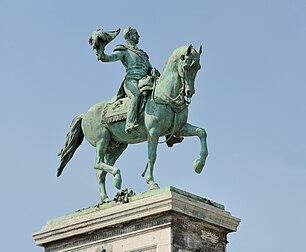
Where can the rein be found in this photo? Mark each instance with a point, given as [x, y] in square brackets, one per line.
[179, 100]
[182, 91]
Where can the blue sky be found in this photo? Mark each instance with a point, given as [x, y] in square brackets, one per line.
[250, 98]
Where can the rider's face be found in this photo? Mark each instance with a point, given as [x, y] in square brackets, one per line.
[134, 36]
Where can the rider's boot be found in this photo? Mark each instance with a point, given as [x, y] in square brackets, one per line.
[131, 120]
[171, 140]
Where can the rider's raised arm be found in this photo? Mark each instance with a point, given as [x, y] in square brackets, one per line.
[115, 56]
[118, 54]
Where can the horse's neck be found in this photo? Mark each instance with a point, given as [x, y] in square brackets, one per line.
[169, 83]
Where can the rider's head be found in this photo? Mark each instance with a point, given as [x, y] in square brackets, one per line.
[130, 34]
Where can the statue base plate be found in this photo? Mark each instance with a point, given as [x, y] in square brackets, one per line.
[162, 220]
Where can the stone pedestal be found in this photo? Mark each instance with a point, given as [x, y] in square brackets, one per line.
[163, 220]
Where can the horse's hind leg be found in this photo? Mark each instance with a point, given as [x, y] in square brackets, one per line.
[103, 168]
[101, 180]
[101, 148]
[110, 159]
[112, 155]
[190, 130]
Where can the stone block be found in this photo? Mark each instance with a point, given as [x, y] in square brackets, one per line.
[162, 220]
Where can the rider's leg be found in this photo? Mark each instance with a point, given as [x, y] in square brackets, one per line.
[132, 91]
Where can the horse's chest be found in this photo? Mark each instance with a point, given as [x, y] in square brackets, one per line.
[163, 118]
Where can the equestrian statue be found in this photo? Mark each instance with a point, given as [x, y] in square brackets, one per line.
[148, 105]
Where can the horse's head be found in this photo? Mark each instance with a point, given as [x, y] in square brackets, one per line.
[188, 67]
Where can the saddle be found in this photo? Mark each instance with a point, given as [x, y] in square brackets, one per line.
[117, 110]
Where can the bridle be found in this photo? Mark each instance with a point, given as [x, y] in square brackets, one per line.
[182, 92]
[186, 64]
[182, 99]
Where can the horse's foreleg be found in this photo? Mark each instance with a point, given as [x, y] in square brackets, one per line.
[190, 130]
[152, 148]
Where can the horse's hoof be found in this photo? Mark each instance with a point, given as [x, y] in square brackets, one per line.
[198, 166]
[153, 186]
[117, 181]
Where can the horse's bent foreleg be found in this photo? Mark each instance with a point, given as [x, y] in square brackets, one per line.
[190, 130]
[152, 148]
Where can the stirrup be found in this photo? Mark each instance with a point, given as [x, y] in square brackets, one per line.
[174, 140]
[133, 127]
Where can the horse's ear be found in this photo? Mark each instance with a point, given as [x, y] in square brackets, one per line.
[200, 50]
[189, 50]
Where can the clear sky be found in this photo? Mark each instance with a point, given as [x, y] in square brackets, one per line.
[250, 98]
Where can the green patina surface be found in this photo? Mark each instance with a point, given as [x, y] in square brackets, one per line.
[134, 198]
[148, 115]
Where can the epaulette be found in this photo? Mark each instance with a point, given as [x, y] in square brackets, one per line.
[147, 55]
[120, 48]
[144, 53]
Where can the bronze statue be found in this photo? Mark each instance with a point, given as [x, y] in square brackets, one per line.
[137, 65]
[154, 106]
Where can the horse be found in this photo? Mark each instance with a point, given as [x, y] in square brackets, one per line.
[165, 113]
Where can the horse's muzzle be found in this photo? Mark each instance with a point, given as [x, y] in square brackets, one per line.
[189, 93]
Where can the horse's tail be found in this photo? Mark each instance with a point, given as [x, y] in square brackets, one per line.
[74, 139]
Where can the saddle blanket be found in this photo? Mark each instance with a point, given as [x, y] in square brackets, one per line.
[116, 111]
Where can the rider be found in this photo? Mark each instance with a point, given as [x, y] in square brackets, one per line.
[137, 65]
